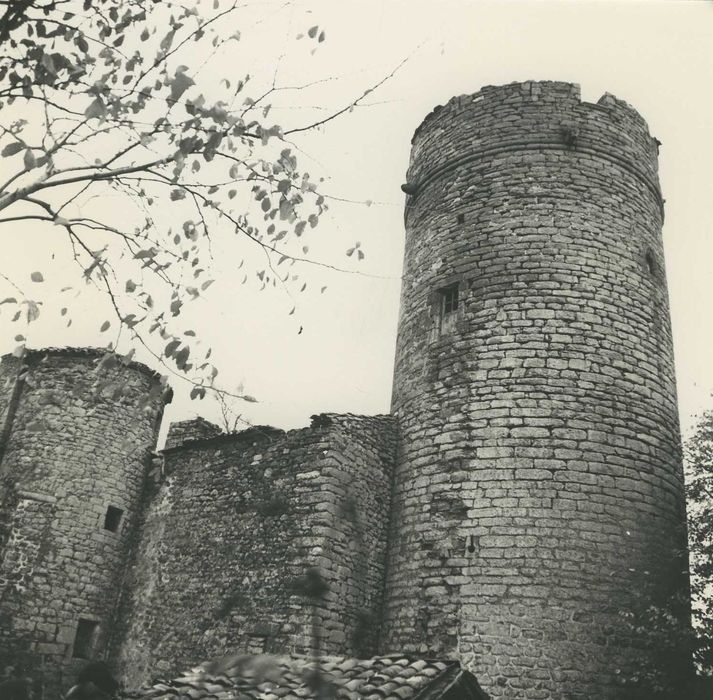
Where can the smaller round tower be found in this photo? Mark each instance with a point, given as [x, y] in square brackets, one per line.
[78, 428]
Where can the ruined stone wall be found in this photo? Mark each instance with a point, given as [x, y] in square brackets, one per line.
[238, 520]
[193, 429]
[78, 442]
[539, 489]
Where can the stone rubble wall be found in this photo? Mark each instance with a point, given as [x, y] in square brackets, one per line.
[193, 429]
[73, 450]
[539, 488]
[236, 522]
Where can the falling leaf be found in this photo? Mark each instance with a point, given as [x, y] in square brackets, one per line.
[33, 311]
[104, 327]
[37, 277]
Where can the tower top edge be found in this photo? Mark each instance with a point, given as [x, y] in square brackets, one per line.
[36, 355]
[550, 92]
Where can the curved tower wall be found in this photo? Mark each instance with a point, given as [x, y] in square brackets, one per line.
[78, 438]
[539, 488]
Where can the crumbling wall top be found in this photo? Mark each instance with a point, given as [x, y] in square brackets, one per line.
[36, 355]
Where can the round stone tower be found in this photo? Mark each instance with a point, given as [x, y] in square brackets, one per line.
[78, 428]
[538, 500]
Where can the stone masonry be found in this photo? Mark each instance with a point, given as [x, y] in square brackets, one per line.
[518, 510]
[236, 523]
[539, 486]
[70, 453]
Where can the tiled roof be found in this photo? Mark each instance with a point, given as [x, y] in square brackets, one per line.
[299, 678]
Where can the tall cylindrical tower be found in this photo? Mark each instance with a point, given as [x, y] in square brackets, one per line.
[78, 428]
[538, 499]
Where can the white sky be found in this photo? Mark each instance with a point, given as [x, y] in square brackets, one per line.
[656, 56]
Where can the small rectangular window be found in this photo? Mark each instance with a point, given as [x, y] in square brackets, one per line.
[449, 299]
[112, 519]
[84, 639]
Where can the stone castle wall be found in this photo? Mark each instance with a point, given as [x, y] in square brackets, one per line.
[234, 527]
[520, 507]
[539, 487]
[74, 446]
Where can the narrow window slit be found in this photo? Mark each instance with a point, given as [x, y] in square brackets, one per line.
[651, 263]
[448, 305]
[449, 299]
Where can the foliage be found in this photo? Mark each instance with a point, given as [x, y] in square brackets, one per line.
[665, 623]
[116, 98]
[699, 490]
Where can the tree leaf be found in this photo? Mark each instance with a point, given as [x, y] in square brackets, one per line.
[12, 148]
[180, 83]
[29, 159]
[171, 347]
[197, 392]
[37, 277]
[104, 327]
[96, 110]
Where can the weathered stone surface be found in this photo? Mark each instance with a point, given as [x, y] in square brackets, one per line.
[237, 522]
[526, 491]
[546, 212]
[70, 452]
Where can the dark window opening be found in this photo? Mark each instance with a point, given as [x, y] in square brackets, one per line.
[84, 639]
[461, 218]
[449, 299]
[651, 263]
[112, 519]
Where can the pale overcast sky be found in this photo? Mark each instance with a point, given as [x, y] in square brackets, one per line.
[656, 56]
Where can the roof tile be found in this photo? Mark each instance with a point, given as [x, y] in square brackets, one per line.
[293, 678]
